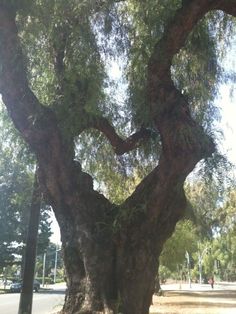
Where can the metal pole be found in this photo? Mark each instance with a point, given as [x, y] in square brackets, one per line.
[44, 264]
[189, 270]
[26, 297]
[200, 270]
[55, 268]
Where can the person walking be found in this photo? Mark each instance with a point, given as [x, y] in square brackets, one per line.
[211, 282]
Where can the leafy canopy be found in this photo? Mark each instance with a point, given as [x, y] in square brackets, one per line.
[70, 47]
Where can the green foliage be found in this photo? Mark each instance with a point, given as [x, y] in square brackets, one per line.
[16, 183]
[67, 72]
[219, 259]
[183, 239]
[204, 199]
[69, 48]
[196, 69]
[211, 237]
[164, 273]
[145, 22]
[50, 252]
[45, 231]
[212, 205]
[227, 212]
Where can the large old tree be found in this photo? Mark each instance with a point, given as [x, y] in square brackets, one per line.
[55, 83]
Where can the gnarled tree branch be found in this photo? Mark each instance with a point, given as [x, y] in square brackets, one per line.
[184, 142]
[36, 123]
[178, 30]
[23, 106]
[120, 146]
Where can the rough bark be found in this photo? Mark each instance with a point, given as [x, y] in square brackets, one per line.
[110, 271]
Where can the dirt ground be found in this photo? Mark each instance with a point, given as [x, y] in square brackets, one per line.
[195, 302]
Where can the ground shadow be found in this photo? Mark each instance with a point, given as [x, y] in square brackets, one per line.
[195, 301]
[226, 294]
[51, 291]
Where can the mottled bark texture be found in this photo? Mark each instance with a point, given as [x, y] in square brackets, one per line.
[112, 270]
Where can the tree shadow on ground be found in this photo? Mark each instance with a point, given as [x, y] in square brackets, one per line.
[212, 302]
[50, 291]
[226, 294]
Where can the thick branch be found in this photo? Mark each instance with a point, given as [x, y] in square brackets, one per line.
[160, 85]
[120, 145]
[184, 142]
[169, 107]
[228, 6]
[178, 30]
[23, 107]
[37, 124]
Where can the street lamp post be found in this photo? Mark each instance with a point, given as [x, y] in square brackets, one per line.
[44, 266]
[189, 267]
[55, 267]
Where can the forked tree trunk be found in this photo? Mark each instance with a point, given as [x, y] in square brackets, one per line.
[111, 279]
[112, 270]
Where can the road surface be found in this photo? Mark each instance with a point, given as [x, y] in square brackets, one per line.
[44, 302]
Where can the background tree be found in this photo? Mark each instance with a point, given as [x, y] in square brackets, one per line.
[173, 262]
[223, 244]
[50, 262]
[205, 197]
[212, 243]
[184, 239]
[16, 183]
[55, 85]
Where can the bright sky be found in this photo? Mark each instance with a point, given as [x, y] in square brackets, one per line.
[56, 236]
[227, 104]
[228, 122]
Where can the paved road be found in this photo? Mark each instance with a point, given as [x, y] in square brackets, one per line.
[44, 302]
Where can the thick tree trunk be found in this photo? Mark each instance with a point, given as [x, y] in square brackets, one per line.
[110, 279]
[137, 268]
[116, 277]
[114, 272]
[89, 252]
[89, 273]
